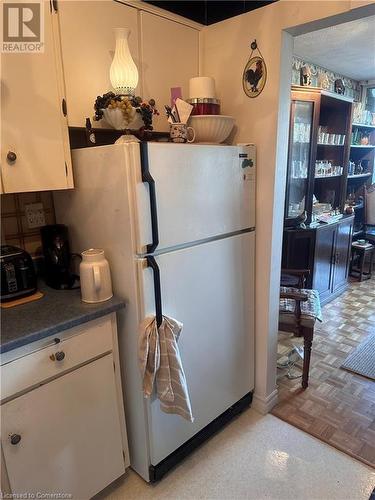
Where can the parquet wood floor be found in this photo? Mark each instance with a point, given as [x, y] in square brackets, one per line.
[338, 407]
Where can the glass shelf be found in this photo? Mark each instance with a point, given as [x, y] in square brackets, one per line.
[359, 176]
[327, 176]
[362, 125]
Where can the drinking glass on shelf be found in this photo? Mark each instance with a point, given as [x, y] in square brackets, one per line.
[320, 135]
[296, 131]
[307, 132]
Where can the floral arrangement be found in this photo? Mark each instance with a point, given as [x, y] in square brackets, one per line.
[128, 105]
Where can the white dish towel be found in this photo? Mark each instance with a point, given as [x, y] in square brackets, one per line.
[160, 361]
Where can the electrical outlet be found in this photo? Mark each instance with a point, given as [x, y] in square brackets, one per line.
[35, 215]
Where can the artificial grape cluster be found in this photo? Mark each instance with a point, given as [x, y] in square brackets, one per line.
[126, 104]
[147, 110]
[102, 102]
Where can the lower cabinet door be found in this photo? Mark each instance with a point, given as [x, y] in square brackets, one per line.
[64, 437]
[342, 253]
[323, 261]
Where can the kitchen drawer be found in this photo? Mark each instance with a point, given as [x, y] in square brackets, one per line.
[90, 341]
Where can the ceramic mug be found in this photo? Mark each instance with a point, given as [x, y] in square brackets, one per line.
[95, 276]
[179, 132]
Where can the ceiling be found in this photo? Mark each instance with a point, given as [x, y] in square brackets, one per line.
[347, 49]
[209, 11]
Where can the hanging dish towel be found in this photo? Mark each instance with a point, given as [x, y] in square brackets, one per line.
[160, 362]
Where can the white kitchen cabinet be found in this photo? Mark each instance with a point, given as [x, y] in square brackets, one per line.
[88, 45]
[166, 53]
[169, 58]
[68, 425]
[66, 434]
[33, 125]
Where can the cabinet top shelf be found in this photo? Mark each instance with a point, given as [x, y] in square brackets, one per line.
[359, 176]
[327, 176]
[364, 146]
[362, 125]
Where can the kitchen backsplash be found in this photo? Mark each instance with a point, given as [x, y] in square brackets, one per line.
[14, 227]
[352, 87]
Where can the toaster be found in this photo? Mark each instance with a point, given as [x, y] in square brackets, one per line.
[18, 276]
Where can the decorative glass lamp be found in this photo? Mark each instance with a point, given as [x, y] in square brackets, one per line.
[121, 108]
[123, 72]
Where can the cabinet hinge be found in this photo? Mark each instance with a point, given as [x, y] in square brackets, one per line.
[64, 107]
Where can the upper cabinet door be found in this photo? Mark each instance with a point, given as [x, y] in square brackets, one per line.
[170, 56]
[88, 45]
[35, 153]
[304, 120]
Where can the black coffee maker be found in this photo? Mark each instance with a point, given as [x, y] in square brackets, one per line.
[57, 257]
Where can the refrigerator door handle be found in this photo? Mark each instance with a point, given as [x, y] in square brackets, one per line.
[151, 262]
[147, 177]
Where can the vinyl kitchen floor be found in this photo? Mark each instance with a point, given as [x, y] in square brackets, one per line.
[339, 406]
[256, 457]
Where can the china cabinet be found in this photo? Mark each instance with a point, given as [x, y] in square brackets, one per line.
[361, 169]
[319, 143]
[323, 249]
[317, 176]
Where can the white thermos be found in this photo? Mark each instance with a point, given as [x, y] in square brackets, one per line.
[96, 284]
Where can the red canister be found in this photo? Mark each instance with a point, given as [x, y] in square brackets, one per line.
[205, 106]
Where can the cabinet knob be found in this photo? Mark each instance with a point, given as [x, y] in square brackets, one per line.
[15, 438]
[60, 355]
[11, 156]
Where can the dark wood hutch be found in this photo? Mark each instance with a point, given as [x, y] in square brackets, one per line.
[317, 179]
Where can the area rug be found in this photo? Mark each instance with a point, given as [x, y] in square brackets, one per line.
[362, 360]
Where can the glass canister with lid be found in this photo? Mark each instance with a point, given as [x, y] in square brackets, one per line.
[205, 106]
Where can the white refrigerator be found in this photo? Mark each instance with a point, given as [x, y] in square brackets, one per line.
[177, 223]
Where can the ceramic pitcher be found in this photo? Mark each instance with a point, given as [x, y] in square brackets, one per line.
[96, 285]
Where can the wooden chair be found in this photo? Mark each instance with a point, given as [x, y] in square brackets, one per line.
[299, 310]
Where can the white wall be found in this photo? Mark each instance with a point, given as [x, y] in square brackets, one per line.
[225, 50]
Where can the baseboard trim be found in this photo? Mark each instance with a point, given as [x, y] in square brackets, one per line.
[264, 405]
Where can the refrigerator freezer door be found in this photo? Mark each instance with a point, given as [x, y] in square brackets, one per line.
[209, 288]
[201, 192]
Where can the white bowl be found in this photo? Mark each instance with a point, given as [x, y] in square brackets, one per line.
[115, 119]
[211, 129]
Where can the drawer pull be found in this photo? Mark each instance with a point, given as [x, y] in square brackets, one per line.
[11, 156]
[59, 356]
[15, 438]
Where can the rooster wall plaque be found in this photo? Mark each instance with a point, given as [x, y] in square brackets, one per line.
[255, 73]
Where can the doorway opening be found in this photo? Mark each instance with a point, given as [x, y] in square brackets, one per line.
[327, 304]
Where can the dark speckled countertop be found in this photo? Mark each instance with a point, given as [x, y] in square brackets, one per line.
[57, 311]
